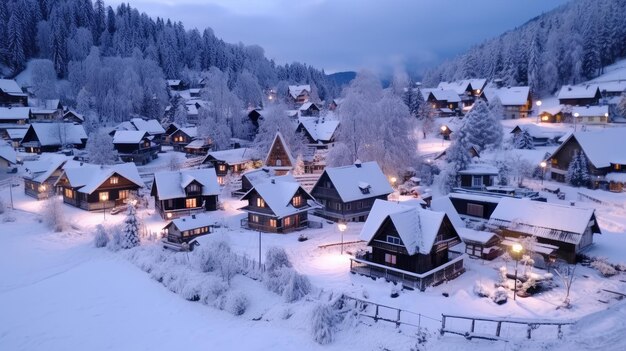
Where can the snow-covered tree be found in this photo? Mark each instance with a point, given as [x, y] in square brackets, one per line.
[79, 44]
[53, 214]
[496, 109]
[275, 119]
[523, 140]
[482, 127]
[43, 79]
[102, 238]
[297, 285]
[100, 148]
[339, 155]
[621, 107]
[578, 171]
[276, 258]
[298, 168]
[214, 127]
[458, 154]
[180, 114]
[130, 229]
[324, 323]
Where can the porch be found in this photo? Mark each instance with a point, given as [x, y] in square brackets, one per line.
[303, 224]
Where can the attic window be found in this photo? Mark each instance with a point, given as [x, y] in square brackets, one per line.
[364, 187]
[115, 180]
[260, 202]
[393, 240]
[194, 188]
[297, 201]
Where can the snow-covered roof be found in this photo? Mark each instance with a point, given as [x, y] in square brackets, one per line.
[278, 194]
[480, 169]
[72, 112]
[192, 132]
[171, 184]
[613, 86]
[478, 236]
[198, 144]
[308, 105]
[260, 175]
[475, 197]
[14, 113]
[346, 180]
[278, 138]
[460, 86]
[443, 204]
[88, 177]
[616, 177]
[44, 104]
[578, 91]
[542, 219]
[553, 110]
[59, 133]
[17, 133]
[602, 147]
[151, 126]
[441, 95]
[509, 96]
[233, 156]
[173, 82]
[296, 90]
[416, 227]
[194, 221]
[537, 131]
[10, 86]
[41, 169]
[321, 129]
[590, 111]
[8, 153]
[129, 136]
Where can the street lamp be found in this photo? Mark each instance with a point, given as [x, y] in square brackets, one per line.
[538, 103]
[443, 130]
[575, 118]
[516, 254]
[103, 198]
[543, 165]
[342, 228]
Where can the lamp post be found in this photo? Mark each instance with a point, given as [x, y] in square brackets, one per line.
[103, 198]
[575, 119]
[443, 130]
[538, 103]
[259, 250]
[516, 254]
[342, 228]
[543, 165]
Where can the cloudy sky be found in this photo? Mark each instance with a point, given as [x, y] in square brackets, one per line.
[351, 34]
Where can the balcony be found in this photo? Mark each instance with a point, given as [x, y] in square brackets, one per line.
[271, 229]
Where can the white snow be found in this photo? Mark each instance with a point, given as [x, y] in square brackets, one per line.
[278, 195]
[195, 221]
[441, 95]
[41, 169]
[321, 129]
[602, 147]
[479, 169]
[586, 91]
[590, 111]
[59, 133]
[129, 136]
[233, 156]
[10, 86]
[171, 184]
[88, 177]
[347, 181]
[8, 153]
[509, 96]
[296, 90]
[14, 113]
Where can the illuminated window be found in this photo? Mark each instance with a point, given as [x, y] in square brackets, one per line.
[254, 218]
[286, 221]
[222, 168]
[69, 193]
[260, 202]
[272, 223]
[390, 259]
[190, 203]
[297, 201]
[123, 194]
[618, 167]
[114, 180]
[103, 196]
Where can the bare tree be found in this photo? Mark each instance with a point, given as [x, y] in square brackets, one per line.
[566, 273]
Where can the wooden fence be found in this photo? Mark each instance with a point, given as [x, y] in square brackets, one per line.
[606, 203]
[389, 314]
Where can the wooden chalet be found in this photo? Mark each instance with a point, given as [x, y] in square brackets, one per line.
[185, 229]
[52, 137]
[15, 135]
[579, 95]
[541, 136]
[72, 116]
[15, 115]
[183, 136]
[348, 193]
[590, 114]
[279, 156]
[409, 245]
[175, 84]
[11, 94]
[309, 109]
[474, 206]
[184, 192]
[198, 147]
[318, 131]
[552, 115]
[8, 158]
[46, 110]
[232, 161]
[256, 176]
[568, 229]
[478, 176]
[603, 150]
[277, 205]
[40, 176]
[299, 94]
[135, 146]
[94, 187]
[516, 101]
[444, 102]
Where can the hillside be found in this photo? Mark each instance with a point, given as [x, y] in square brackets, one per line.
[342, 78]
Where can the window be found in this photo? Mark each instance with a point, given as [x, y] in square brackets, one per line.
[114, 180]
[297, 201]
[254, 218]
[220, 180]
[390, 259]
[193, 188]
[338, 206]
[359, 205]
[475, 210]
[617, 167]
[170, 203]
[393, 240]
[69, 193]
[260, 202]
[272, 223]
[286, 221]
[103, 196]
[348, 207]
[122, 194]
[279, 163]
[190, 203]
[222, 168]
[477, 181]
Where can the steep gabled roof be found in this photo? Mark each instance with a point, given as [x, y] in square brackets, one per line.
[193, 222]
[278, 194]
[40, 170]
[509, 96]
[125, 170]
[8, 153]
[279, 139]
[590, 111]
[152, 126]
[59, 133]
[233, 156]
[129, 136]
[320, 129]
[588, 91]
[10, 86]
[350, 180]
[171, 184]
[296, 90]
[441, 95]
[258, 176]
[74, 113]
[602, 147]
[14, 113]
[418, 228]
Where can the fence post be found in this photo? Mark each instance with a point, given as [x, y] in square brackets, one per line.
[473, 322]
[398, 321]
[443, 324]
[559, 332]
[528, 329]
[376, 315]
[498, 328]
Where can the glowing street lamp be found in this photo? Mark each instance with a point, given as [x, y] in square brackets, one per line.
[538, 103]
[576, 115]
[543, 165]
[393, 180]
[443, 131]
[342, 228]
[516, 254]
[103, 198]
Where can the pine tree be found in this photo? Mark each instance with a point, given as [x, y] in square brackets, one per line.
[482, 127]
[16, 54]
[458, 154]
[130, 231]
[523, 140]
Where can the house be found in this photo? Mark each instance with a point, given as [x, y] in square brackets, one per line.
[612, 88]
[194, 92]
[579, 95]
[185, 229]
[473, 151]
[254, 115]
[348, 193]
[8, 158]
[568, 228]
[169, 130]
[151, 126]
[409, 245]
[445, 102]
[11, 94]
[52, 137]
[299, 93]
[232, 161]
[183, 136]
[601, 149]
[467, 89]
[256, 176]
[335, 104]
[198, 147]
[541, 136]
[135, 146]
[15, 115]
[279, 156]
[72, 116]
[552, 114]
[309, 109]
[319, 132]
[184, 192]
[478, 176]
[41, 175]
[46, 110]
[516, 101]
[277, 205]
[175, 84]
[95, 187]
[15, 135]
[474, 206]
[591, 114]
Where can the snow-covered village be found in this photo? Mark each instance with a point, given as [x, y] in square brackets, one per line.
[437, 176]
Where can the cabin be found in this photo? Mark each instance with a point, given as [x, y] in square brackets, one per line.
[579, 95]
[151, 126]
[467, 89]
[184, 229]
[445, 102]
[277, 205]
[15, 135]
[41, 175]
[279, 156]
[46, 110]
[591, 114]
[256, 176]
[11, 94]
[15, 115]
[335, 104]
[8, 158]
[516, 101]
[299, 94]
[603, 150]
[72, 116]
[229, 161]
[475, 207]
[552, 115]
[52, 137]
[348, 193]
[473, 151]
[135, 146]
[319, 132]
[478, 176]
[198, 147]
[97, 187]
[569, 229]
[612, 89]
[309, 109]
[169, 130]
[183, 136]
[184, 192]
[175, 84]
[409, 245]
[541, 136]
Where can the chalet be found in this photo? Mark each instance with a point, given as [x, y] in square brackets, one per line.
[151, 126]
[229, 161]
[46, 110]
[254, 115]
[309, 109]
[591, 114]
[175, 84]
[279, 156]
[185, 229]
[256, 176]
[473, 151]
[474, 206]
[446, 102]
[185, 192]
[467, 89]
[612, 88]
[449, 127]
[41, 175]
[552, 115]
[570, 229]
[277, 205]
[198, 147]
[8, 158]
[348, 193]
[603, 150]
[516, 101]
[299, 93]
[135, 146]
[52, 137]
[319, 132]
[15, 115]
[94, 187]
[183, 136]
[579, 95]
[194, 92]
[541, 136]
[15, 135]
[335, 104]
[11, 94]
[169, 130]
[72, 116]
[478, 176]
[192, 112]
[409, 245]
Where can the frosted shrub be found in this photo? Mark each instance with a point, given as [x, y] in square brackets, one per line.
[130, 230]
[500, 296]
[237, 303]
[209, 256]
[605, 268]
[115, 244]
[53, 214]
[297, 285]
[503, 280]
[481, 290]
[102, 238]
[324, 324]
[211, 289]
[277, 280]
[276, 258]
[530, 283]
[228, 266]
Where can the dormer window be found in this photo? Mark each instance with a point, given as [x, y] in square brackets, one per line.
[297, 201]
[114, 180]
[364, 187]
[393, 240]
[260, 202]
[222, 168]
[193, 188]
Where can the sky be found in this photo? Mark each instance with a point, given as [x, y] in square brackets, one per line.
[341, 35]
